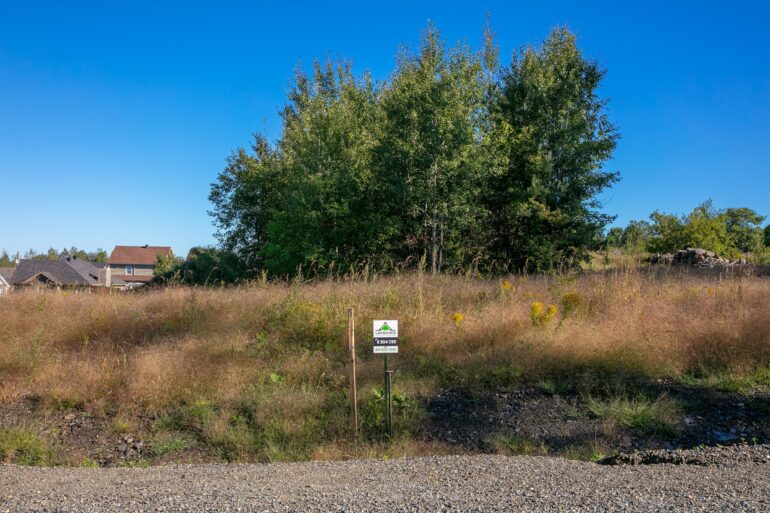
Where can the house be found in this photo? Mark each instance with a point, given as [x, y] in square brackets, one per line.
[70, 272]
[5, 279]
[132, 266]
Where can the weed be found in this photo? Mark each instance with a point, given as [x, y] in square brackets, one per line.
[644, 416]
[120, 426]
[517, 446]
[24, 447]
[167, 445]
[541, 315]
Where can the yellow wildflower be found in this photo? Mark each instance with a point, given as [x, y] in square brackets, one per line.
[542, 316]
[458, 317]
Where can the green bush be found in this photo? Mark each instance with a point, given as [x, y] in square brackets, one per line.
[407, 415]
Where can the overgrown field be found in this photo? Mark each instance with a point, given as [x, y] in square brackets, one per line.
[259, 373]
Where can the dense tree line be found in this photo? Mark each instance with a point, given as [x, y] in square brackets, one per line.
[99, 255]
[729, 232]
[454, 160]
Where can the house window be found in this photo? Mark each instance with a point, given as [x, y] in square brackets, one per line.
[129, 270]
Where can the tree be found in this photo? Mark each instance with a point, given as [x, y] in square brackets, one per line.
[426, 154]
[451, 159]
[245, 198]
[744, 227]
[6, 260]
[636, 235]
[706, 227]
[767, 236]
[209, 266]
[727, 232]
[615, 237]
[165, 264]
[552, 138]
[668, 233]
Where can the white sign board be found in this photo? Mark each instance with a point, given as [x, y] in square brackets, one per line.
[385, 333]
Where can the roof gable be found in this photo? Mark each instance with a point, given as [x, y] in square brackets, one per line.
[137, 255]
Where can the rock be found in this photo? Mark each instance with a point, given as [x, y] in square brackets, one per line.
[696, 257]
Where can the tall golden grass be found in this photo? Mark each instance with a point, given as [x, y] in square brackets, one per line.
[259, 372]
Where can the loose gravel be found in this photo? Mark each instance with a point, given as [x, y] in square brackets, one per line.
[454, 483]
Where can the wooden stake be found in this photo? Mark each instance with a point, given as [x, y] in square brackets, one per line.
[352, 353]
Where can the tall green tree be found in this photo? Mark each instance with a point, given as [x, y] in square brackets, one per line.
[744, 227]
[244, 199]
[552, 138]
[426, 155]
[451, 159]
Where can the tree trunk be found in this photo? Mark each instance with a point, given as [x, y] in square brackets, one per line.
[441, 245]
[433, 245]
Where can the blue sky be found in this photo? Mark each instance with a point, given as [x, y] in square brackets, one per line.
[116, 116]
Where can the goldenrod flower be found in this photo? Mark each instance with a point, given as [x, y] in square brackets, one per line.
[542, 316]
[458, 318]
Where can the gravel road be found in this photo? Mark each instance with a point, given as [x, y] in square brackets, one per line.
[455, 483]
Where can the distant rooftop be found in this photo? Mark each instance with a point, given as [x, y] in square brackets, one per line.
[137, 255]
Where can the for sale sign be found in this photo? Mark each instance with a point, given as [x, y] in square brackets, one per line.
[385, 336]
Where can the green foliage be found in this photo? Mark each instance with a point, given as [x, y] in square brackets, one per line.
[549, 140]
[204, 266]
[170, 444]
[7, 260]
[767, 236]
[744, 229]
[407, 415]
[639, 414]
[451, 160]
[23, 447]
[99, 255]
[725, 232]
[165, 264]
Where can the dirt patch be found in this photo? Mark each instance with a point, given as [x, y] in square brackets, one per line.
[560, 423]
[703, 456]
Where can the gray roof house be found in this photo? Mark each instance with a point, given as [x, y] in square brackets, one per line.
[5, 279]
[70, 272]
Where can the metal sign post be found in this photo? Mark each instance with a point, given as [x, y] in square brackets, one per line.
[386, 342]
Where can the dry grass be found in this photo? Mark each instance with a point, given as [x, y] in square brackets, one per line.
[258, 373]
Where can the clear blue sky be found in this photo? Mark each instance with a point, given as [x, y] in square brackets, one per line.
[116, 116]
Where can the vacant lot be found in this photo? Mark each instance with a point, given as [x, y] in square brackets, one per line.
[574, 365]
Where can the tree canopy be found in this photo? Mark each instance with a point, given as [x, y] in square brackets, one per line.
[729, 232]
[454, 160]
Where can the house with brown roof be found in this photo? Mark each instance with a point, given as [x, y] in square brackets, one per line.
[132, 266]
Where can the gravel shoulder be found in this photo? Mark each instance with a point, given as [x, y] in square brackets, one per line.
[454, 483]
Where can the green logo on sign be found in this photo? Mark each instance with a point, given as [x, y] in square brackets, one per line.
[385, 327]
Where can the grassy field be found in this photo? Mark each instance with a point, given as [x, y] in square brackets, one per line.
[258, 373]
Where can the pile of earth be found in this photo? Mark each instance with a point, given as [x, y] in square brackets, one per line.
[696, 257]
